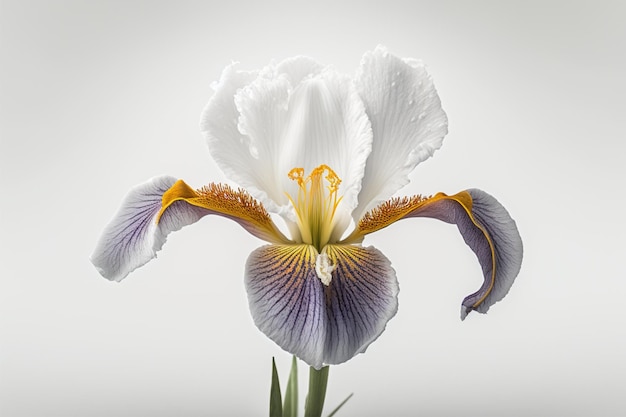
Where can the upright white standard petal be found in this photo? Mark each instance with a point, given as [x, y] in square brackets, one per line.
[244, 160]
[298, 68]
[407, 120]
[327, 125]
[293, 115]
[263, 110]
[230, 149]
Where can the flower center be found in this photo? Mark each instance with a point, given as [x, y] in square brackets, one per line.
[315, 204]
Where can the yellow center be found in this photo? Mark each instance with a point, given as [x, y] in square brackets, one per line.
[315, 204]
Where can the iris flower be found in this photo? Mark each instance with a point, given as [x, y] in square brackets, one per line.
[325, 152]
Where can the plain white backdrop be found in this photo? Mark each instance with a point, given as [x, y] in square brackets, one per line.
[99, 96]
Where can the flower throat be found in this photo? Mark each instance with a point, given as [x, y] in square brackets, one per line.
[315, 204]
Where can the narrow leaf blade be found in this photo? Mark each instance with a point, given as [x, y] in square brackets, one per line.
[340, 405]
[276, 402]
[290, 408]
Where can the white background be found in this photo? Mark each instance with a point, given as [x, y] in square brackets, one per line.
[99, 96]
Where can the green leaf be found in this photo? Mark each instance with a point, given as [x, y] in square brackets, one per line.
[318, 380]
[276, 402]
[290, 408]
[340, 405]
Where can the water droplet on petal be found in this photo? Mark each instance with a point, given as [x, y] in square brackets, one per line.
[254, 151]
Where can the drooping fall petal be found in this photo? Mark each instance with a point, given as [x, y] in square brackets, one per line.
[163, 205]
[132, 238]
[319, 323]
[361, 298]
[222, 200]
[485, 225]
[287, 299]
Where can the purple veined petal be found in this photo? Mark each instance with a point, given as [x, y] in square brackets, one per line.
[485, 225]
[132, 238]
[507, 248]
[287, 299]
[163, 205]
[361, 298]
[321, 324]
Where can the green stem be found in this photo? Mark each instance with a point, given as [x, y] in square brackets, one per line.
[318, 380]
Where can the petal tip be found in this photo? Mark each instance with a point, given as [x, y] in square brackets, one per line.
[465, 311]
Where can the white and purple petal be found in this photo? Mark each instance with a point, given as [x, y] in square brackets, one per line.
[319, 323]
[287, 299]
[361, 298]
[133, 237]
[485, 225]
[163, 205]
[492, 234]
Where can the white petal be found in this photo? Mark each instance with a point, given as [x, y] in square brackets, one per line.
[298, 68]
[231, 150]
[245, 159]
[291, 115]
[407, 120]
[327, 124]
[133, 237]
[262, 108]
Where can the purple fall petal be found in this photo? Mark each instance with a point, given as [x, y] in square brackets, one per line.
[132, 238]
[287, 299]
[361, 298]
[492, 231]
[321, 324]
